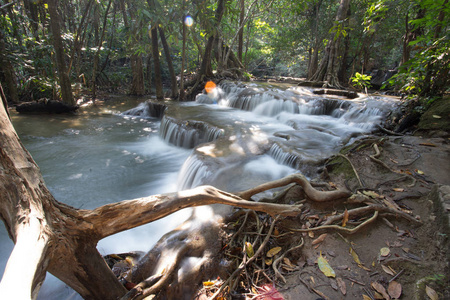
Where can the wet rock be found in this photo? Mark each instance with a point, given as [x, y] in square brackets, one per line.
[44, 106]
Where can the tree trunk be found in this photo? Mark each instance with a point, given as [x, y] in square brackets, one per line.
[183, 58]
[241, 30]
[173, 78]
[137, 69]
[97, 53]
[205, 67]
[157, 66]
[314, 50]
[63, 76]
[7, 74]
[329, 65]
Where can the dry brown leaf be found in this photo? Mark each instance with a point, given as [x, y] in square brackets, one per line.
[385, 251]
[395, 289]
[268, 261]
[378, 296]
[345, 218]
[334, 285]
[288, 262]
[365, 297]
[342, 286]
[387, 270]
[319, 239]
[311, 234]
[398, 189]
[371, 194]
[431, 293]
[274, 251]
[355, 256]
[380, 289]
[428, 144]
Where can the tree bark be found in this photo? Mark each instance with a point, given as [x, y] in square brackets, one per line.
[97, 53]
[241, 30]
[63, 76]
[156, 65]
[173, 78]
[7, 75]
[183, 57]
[155, 54]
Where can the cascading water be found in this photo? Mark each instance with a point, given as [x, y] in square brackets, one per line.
[242, 135]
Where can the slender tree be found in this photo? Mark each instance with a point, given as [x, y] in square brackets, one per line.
[329, 65]
[155, 54]
[173, 78]
[97, 53]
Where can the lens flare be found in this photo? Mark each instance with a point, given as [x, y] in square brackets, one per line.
[210, 86]
[189, 21]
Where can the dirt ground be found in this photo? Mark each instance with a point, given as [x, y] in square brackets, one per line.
[418, 255]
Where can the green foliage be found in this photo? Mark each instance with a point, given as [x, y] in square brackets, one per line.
[427, 73]
[361, 81]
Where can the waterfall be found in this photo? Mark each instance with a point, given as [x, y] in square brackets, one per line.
[187, 134]
[147, 109]
[193, 173]
[284, 158]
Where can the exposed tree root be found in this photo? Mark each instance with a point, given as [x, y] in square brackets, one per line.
[310, 191]
[354, 170]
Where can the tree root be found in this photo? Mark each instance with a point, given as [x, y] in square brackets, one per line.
[310, 191]
[339, 228]
[246, 262]
[375, 156]
[277, 261]
[354, 170]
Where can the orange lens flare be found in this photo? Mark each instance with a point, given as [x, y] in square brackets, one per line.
[210, 86]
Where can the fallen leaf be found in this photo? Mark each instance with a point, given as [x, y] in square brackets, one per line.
[345, 218]
[249, 249]
[419, 172]
[371, 194]
[342, 286]
[378, 296]
[334, 285]
[427, 144]
[274, 251]
[325, 267]
[311, 234]
[380, 289]
[355, 256]
[395, 289]
[268, 261]
[398, 189]
[288, 262]
[208, 283]
[365, 297]
[431, 293]
[385, 251]
[319, 239]
[276, 232]
[387, 270]
[437, 117]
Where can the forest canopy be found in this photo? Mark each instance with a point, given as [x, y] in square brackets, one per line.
[59, 49]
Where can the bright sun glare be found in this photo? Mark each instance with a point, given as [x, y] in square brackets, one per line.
[189, 21]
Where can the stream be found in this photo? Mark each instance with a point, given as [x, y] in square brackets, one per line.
[235, 137]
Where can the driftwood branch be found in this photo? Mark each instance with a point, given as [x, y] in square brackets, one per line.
[110, 219]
